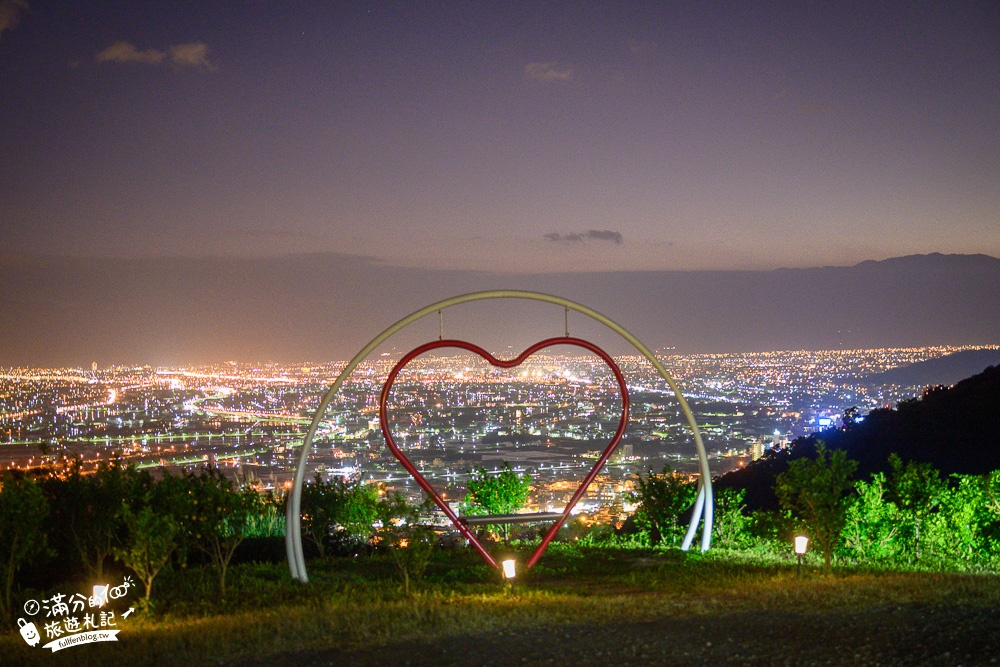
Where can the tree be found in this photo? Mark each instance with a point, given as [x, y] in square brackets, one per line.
[23, 509]
[216, 513]
[496, 493]
[814, 490]
[729, 523]
[153, 530]
[86, 511]
[663, 497]
[151, 539]
[917, 489]
[347, 506]
[871, 523]
[410, 542]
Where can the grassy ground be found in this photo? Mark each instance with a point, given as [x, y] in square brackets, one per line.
[579, 606]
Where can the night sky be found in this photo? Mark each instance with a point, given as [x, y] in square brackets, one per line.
[517, 137]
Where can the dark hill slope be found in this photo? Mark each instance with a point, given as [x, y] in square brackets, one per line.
[943, 370]
[956, 429]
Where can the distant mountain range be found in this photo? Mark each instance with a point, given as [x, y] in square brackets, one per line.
[173, 311]
[946, 370]
[954, 428]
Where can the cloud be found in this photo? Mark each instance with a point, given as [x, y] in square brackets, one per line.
[591, 235]
[605, 235]
[194, 54]
[10, 13]
[547, 72]
[123, 52]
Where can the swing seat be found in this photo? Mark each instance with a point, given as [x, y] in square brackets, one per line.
[481, 520]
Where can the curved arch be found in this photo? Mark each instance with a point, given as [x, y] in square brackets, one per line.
[293, 511]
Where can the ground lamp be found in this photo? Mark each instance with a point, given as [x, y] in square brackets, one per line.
[801, 544]
[508, 570]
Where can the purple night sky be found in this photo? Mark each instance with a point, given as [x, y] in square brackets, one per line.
[524, 137]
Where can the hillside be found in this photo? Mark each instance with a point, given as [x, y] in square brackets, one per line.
[946, 370]
[953, 428]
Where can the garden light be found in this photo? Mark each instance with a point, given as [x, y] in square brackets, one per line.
[101, 594]
[801, 544]
[508, 568]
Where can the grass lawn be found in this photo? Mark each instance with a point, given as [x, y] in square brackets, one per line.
[600, 606]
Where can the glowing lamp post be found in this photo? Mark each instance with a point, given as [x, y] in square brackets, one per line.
[508, 570]
[801, 544]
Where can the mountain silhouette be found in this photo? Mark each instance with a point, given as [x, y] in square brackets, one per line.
[67, 311]
[946, 370]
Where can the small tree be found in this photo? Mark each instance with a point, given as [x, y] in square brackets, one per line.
[814, 490]
[23, 510]
[663, 497]
[497, 493]
[86, 511]
[346, 505]
[410, 542]
[918, 490]
[216, 514]
[730, 524]
[871, 522]
[151, 539]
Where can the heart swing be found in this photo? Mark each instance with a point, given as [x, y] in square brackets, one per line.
[703, 502]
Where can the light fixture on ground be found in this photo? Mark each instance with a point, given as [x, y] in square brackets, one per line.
[101, 594]
[801, 544]
[508, 569]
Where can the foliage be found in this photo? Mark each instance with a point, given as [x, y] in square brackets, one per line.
[663, 497]
[957, 533]
[270, 522]
[496, 493]
[150, 541]
[338, 507]
[917, 490]
[216, 514]
[410, 542]
[86, 516]
[23, 510]
[871, 523]
[729, 522]
[814, 490]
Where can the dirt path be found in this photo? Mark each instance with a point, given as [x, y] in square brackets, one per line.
[896, 635]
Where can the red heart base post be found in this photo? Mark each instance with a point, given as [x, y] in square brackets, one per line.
[460, 524]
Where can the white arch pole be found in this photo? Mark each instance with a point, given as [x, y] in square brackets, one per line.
[293, 525]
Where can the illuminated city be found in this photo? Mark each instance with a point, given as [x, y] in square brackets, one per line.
[549, 417]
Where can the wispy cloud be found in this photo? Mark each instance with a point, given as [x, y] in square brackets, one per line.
[194, 55]
[123, 52]
[10, 13]
[547, 72]
[589, 235]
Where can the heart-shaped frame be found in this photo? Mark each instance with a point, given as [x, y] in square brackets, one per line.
[462, 527]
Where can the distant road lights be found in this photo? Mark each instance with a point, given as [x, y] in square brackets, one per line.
[801, 545]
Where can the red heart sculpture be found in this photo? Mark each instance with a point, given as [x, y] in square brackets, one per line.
[459, 524]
